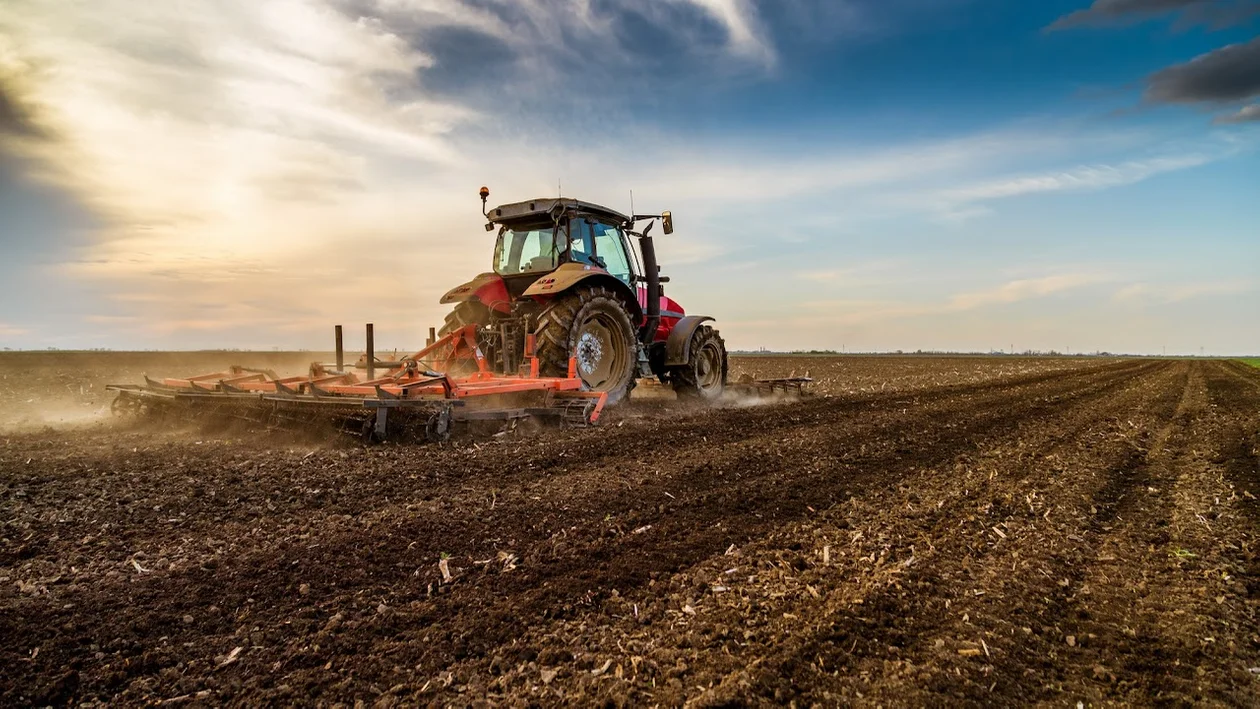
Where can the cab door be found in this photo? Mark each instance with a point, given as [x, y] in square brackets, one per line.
[609, 246]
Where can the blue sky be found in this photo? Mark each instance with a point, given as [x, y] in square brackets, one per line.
[904, 174]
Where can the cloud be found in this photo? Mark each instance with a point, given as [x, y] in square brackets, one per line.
[1179, 292]
[1231, 73]
[1085, 177]
[500, 53]
[745, 35]
[15, 119]
[1021, 289]
[1225, 75]
[853, 312]
[1218, 13]
[1245, 114]
[869, 272]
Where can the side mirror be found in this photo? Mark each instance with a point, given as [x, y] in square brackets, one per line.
[667, 222]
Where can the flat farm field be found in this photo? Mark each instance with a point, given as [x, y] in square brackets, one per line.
[922, 531]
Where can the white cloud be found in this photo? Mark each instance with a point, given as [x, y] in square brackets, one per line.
[1084, 177]
[1021, 289]
[1165, 293]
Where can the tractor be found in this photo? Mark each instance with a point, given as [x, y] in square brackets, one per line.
[568, 320]
[566, 271]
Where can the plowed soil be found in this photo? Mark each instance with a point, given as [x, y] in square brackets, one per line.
[925, 531]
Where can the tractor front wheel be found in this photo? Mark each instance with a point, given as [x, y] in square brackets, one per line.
[592, 326]
[466, 313]
[704, 374]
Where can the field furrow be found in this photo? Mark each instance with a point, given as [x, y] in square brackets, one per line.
[1015, 535]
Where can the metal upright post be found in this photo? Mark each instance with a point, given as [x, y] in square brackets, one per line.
[371, 354]
[341, 360]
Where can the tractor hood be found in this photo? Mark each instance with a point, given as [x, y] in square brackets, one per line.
[488, 288]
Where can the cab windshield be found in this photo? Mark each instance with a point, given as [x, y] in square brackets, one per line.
[528, 249]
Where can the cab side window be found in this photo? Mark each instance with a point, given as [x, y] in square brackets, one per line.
[610, 249]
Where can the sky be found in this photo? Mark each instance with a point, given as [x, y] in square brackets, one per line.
[871, 175]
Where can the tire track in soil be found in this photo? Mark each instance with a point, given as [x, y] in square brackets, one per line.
[539, 464]
[1122, 372]
[391, 474]
[963, 594]
[486, 618]
[1160, 658]
[731, 505]
[1061, 563]
[1165, 626]
[1123, 605]
[780, 674]
[1237, 388]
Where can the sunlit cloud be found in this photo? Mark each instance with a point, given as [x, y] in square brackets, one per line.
[1150, 293]
[856, 273]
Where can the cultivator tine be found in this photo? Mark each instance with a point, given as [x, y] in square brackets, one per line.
[420, 397]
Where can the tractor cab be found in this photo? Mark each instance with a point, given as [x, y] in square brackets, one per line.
[532, 243]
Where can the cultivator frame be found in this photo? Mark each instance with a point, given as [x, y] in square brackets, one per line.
[447, 382]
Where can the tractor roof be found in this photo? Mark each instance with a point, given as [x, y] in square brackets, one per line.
[547, 206]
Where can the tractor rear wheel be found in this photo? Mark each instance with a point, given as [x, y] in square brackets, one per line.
[592, 326]
[704, 374]
[466, 313]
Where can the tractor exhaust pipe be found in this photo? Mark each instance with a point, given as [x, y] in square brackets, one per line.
[653, 273]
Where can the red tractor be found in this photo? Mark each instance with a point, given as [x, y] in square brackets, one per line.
[566, 271]
[569, 319]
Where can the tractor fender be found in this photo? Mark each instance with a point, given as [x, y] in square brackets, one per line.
[487, 288]
[570, 274]
[678, 346]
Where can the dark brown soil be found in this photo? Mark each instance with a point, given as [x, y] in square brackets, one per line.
[928, 531]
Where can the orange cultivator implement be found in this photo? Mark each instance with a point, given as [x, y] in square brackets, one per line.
[421, 396]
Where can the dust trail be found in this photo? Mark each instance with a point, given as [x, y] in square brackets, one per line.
[40, 415]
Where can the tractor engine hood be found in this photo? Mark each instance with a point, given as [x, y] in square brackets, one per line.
[487, 288]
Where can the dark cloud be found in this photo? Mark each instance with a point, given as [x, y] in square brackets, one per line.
[1218, 13]
[597, 45]
[463, 57]
[1231, 73]
[15, 118]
